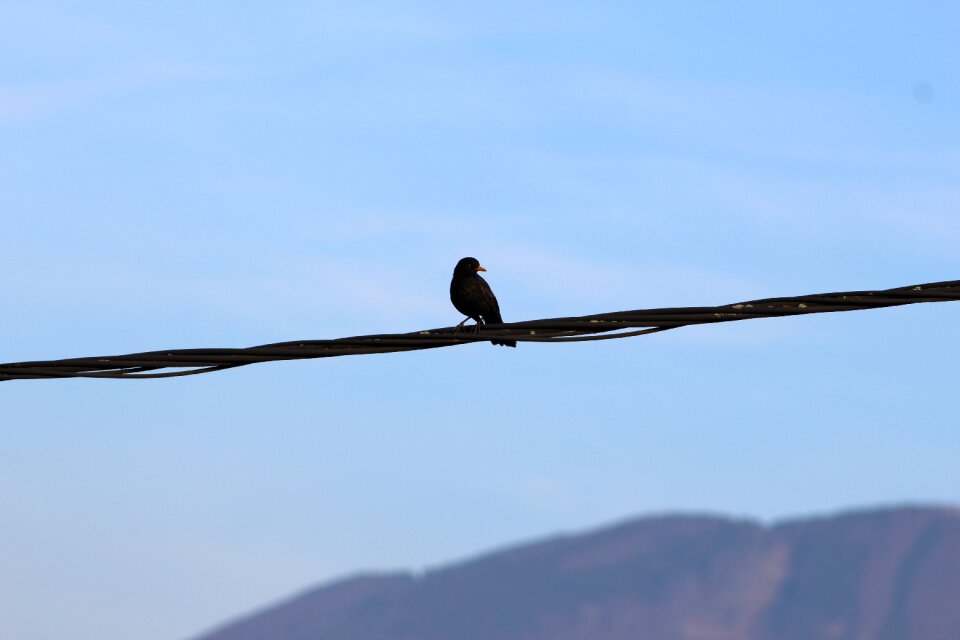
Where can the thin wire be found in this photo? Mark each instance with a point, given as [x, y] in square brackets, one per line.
[604, 326]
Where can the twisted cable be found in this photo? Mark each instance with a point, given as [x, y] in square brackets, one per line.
[602, 326]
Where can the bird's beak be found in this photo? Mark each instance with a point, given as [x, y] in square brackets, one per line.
[480, 269]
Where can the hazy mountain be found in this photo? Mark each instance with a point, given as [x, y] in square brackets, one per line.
[879, 575]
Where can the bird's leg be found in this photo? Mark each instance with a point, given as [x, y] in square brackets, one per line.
[476, 327]
[460, 326]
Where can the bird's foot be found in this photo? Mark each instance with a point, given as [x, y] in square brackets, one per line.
[459, 327]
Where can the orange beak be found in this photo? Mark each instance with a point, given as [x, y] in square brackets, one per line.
[480, 269]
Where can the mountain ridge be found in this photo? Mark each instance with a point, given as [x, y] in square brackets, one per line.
[879, 573]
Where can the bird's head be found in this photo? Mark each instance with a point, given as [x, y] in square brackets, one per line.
[468, 266]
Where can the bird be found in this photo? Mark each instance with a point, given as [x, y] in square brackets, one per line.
[472, 296]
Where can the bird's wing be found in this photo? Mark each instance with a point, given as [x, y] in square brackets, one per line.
[491, 307]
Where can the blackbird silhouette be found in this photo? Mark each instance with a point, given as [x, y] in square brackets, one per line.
[472, 297]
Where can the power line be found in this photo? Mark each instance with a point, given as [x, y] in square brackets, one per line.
[603, 326]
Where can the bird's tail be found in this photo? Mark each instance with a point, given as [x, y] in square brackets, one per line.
[494, 318]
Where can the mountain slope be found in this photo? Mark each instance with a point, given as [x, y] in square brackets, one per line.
[879, 575]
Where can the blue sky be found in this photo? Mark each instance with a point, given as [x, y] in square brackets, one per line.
[229, 174]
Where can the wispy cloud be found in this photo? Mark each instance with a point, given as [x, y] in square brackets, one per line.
[28, 101]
